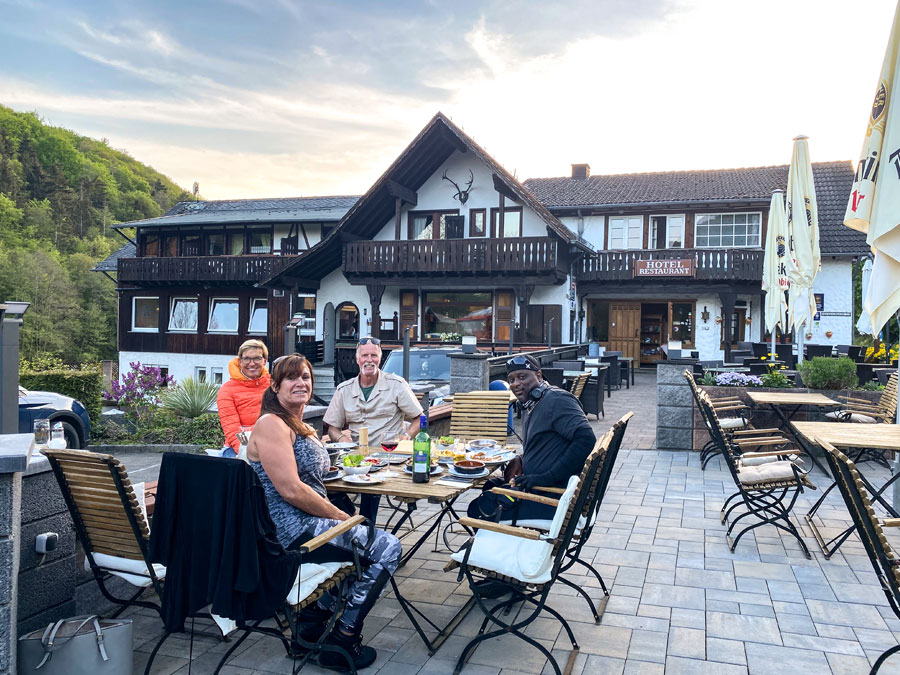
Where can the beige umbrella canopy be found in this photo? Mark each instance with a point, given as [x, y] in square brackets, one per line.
[775, 280]
[874, 204]
[803, 233]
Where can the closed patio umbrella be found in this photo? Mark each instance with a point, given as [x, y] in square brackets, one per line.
[803, 233]
[874, 204]
[775, 280]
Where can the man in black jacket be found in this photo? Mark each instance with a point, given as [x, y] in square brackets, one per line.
[556, 439]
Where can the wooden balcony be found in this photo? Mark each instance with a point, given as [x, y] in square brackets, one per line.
[191, 270]
[732, 264]
[533, 256]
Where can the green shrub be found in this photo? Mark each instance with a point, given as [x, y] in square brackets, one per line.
[871, 386]
[823, 372]
[190, 398]
[204, 430]
[776, 379]
[165, 428]
[708, 379]
[86, 385]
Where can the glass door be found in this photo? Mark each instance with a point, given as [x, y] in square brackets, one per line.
[681, 323]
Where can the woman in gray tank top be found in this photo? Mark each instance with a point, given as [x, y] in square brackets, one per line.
[291, 462]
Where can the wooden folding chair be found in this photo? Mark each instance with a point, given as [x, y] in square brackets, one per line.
[768, 483]
[863, 411]
[529, 573]
[870, 528]
[577, 386]
[480, 414]
[589, 515]
[109, 522]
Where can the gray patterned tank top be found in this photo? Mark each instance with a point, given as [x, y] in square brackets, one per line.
[312, 465]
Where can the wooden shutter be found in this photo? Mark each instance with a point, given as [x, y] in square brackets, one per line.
[409, 313]
[506, 303]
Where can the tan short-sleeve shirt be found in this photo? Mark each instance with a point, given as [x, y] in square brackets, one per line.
[390, 407]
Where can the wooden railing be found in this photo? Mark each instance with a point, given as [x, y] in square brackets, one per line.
[187, 270]
[451, 256]
[731, 264]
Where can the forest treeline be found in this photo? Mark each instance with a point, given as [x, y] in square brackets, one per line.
[60, 193]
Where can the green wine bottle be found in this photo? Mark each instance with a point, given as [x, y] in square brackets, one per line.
[422, 453]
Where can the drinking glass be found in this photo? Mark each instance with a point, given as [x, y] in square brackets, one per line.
[41, 433]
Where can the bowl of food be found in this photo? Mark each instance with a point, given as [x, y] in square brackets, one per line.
[445, 443]
[468, 466]
[485, 444]
[354, 465]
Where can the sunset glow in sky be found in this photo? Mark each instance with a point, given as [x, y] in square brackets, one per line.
[269, 98]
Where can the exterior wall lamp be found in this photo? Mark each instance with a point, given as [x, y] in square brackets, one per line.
[704, 314]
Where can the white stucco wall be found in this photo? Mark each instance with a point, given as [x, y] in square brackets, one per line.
[594, 229]
[555, 295]
[336, 290]
[436, 194]
[835, 280]
[181, 366]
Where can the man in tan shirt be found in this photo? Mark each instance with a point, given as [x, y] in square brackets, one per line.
[380, 401]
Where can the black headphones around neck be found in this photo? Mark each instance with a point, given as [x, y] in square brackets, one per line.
[538, 392]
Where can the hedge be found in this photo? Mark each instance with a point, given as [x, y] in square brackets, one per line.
[86, 385]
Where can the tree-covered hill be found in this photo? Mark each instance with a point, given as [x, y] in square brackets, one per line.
[59, 194]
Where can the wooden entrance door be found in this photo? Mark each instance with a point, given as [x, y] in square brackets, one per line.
[625, 328]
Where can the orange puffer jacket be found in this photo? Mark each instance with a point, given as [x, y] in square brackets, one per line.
[239, 401]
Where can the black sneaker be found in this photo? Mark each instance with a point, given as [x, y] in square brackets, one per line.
[311, 622]
[363, 657]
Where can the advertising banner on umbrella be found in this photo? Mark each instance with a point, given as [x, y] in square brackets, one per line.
[863, 325]
[874, 204]
[775, 279]
[803, 233]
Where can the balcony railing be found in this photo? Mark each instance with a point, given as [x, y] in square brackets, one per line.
[202, 269]
[730, 264]
[532, 255]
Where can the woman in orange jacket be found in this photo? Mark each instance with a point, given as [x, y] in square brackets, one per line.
[240, 398]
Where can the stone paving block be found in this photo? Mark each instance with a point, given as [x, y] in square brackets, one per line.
[725, 651]
[704, 579]
[875, 639]
[723, 606]
[749, 628]
[676, 665]
[796, 623]
[845, 614]
[601, 640]
[687, 642]
[635, 622]
[688, 618]
[822, 644]
[843, 664]
[647, 645]
[603, 664]
[757, 610]
[769, 660]
[674, 596]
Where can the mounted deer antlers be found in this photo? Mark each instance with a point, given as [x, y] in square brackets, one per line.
[461, 195]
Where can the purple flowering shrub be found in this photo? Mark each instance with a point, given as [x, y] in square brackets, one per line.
[140, 390]
[738, 380]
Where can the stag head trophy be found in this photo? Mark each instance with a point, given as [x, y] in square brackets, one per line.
[461, 195]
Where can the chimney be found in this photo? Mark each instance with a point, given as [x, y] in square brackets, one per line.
[581, 171]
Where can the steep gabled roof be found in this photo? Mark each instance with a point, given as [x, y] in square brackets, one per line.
[428, 150]
[291, 209]
[709, 188]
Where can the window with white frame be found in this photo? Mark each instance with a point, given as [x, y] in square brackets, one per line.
[183, 315]
[145, 314]
[259, 316]
[199, 374]
[727, 230]
[223, 315]
[667, 231]
[216, 375]
[626, 232]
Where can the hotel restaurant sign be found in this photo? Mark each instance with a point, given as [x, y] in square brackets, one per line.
[664, 268]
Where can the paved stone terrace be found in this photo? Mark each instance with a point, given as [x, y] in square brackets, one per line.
[680, 601]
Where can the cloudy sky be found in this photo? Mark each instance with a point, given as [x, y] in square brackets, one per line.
[260, 98]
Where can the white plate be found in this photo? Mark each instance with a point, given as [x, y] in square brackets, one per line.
[344, 445]
[491, 459]
[482, 444]
[336, 476]
[390, 457]
[363, 479]
[453, 472]
[434, 472]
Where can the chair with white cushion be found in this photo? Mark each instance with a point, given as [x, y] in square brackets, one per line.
[526, 562]
[768, 484]
[863, 411]
[109, 520]
[588, 517]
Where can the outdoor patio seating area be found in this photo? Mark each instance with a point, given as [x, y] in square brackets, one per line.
[680, 601]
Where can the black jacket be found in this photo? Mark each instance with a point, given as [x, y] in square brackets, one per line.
[212, 531]
[556, 438]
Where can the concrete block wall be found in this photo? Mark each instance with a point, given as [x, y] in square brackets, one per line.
[10, 496]
[468, 372]
[674, 408]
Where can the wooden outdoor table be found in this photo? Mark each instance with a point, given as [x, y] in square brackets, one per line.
[778, 401]
[851, 435]
[630, 361]
[150, 496]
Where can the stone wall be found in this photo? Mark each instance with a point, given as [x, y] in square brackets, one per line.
[468, 372]
[10, 493]
[674, 408]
